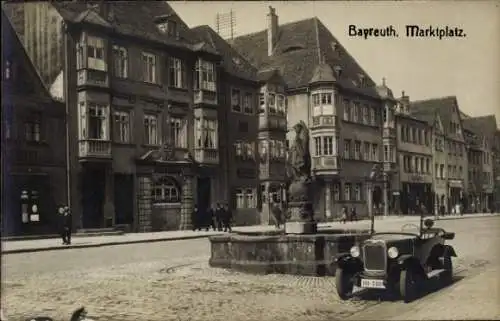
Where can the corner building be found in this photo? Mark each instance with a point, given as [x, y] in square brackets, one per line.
[347, 114]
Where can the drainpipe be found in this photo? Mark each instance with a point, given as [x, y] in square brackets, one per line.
[67, 117]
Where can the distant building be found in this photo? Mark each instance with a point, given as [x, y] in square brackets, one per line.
[34, 181]
[343, 108]
[449, 128]
[415, 159]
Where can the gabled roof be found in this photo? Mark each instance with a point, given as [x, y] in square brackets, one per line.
[232, 62]
[299, 48]
[323, 73]
[444, 107]
[130, 18]
[12, 47]
[485, 126]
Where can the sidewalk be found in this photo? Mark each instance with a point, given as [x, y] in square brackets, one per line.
[24, 246]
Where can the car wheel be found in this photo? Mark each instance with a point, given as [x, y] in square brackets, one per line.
[344, 283]
[447, 275]
[407, 285]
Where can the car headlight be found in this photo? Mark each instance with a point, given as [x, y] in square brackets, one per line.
[355, 251]
[393, 252]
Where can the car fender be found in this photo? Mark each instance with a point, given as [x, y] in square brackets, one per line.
[347, 261]
[450, 250]
[408, 261]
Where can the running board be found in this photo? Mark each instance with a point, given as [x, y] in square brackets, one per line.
[434, 273]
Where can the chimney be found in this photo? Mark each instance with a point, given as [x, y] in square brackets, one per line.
[272, 30]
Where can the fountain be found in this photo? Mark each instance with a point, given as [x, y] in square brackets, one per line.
[301, 248]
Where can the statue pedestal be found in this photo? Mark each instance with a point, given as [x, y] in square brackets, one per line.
[301, 215]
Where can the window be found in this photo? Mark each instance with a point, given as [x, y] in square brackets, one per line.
[322, 104]
[121, 127]
[149, 67]
[150, 129]
[238, 149]
[375, 153]
[204, 76]
[262, 103]
[328, 145]
[357, 149]
[120, 59]
[272, 103]
[248, 103]
[441, 171]
[263, 149]
[357, 192]
[97, 121]
[366, 120]
[240, 198]
[354, 112]
[95, 53]
[178, 132]
[347, 148]
[32, 128]
[436, 169]
[246, 198]
[402, 130]
[372, 116]
[165, 191]
[169, 27]
[427, 166]
[206, 133]
[251, 198]
[250, 150]
[236, 100]
[336, 191]
[176, 73]
[317, 146]
[366, 151]
[386, 153]
[347, 191]
[347, 110]
[280, 104]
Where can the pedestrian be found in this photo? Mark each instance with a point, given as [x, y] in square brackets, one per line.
[228, 218]
[195, 218]
[65, 217]
[211, 218]
[343, 217]
[354, 215]
[218, 216]
[277, 214]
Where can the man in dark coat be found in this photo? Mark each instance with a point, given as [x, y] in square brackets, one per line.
[211, 217]
[66, 224]
[354, 215]
[228, 218]
[218, 216]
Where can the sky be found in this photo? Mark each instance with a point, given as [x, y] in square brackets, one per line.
[468, 67]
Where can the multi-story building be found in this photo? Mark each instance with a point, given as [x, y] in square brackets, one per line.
[455, 166]
[343, 108]
[142, 94]
[481, 155]
[33, 145]
[238, 100]
[414, 137]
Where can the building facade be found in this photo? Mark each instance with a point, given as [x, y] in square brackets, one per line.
[415, 160]
[33, 145]
[146, 109]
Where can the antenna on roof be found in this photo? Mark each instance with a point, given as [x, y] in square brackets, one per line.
[225, 24]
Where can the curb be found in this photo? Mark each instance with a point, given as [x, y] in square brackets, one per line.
[55, 236]
[81, 246]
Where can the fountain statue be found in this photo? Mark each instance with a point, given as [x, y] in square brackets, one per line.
[300, 211]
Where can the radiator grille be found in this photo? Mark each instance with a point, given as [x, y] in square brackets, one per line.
[374, 257]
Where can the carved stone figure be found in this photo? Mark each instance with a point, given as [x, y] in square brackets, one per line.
[300, 158]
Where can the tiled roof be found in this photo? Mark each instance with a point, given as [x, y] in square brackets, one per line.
[233, 63]
[444, 107]
[131, 18]
[323, 73]
[299, 48]
[483, 126]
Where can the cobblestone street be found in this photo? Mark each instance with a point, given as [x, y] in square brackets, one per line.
[172, 281]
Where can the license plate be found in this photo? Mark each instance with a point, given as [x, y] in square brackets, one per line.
[373, 284]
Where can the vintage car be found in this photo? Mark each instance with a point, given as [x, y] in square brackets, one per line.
[397, 261]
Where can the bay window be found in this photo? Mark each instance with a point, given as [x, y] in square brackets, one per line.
[322, 103]
[149, 68]
[95, 53]
[328, 149]
[280, 102]
[262, 103]
[120, 59]
[176, 73]
[93, 121]
[121, 126]
[271, 98]
[151, 129]
[235, 100]
[204, 76]
[206, 133]
[178, 132]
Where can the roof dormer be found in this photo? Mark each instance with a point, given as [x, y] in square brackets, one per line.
[167, 24]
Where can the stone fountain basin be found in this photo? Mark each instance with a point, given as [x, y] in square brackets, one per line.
[272, 251]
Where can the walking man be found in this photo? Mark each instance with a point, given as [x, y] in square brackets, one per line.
[195, 218]
[211, 217]
[218, 216]
[228, 218]
[65, 214]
